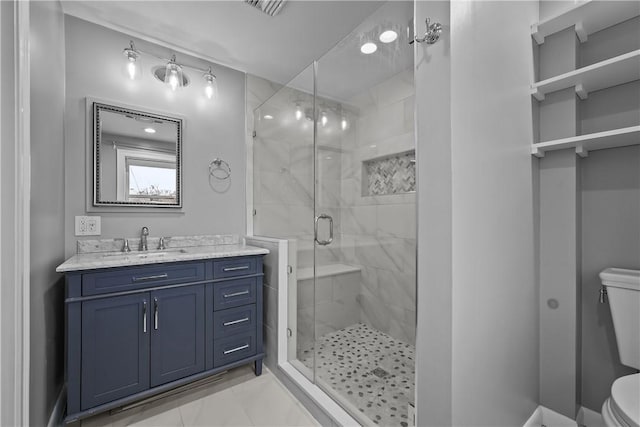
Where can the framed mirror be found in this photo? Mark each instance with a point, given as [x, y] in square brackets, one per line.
[137, 158]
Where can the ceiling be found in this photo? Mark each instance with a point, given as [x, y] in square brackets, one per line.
[232, 33]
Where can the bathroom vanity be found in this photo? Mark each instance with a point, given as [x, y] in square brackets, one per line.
[142, 323]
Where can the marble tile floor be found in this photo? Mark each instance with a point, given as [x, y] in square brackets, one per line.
[238, 399]
[372, 371]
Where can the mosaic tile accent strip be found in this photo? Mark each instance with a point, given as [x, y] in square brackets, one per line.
[390, 175]
[372, 371]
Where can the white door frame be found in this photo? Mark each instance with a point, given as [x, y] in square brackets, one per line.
[16, 348]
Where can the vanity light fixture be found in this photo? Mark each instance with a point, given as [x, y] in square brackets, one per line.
[133, 64]
[343, 123]
[172, 73]
[298, 112]
[323, 118]
[268, 117]
[368, 48]
[388, 36]
[211, 84]
[149, 130]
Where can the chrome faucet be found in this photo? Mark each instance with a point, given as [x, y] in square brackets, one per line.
[143, 238]
[161, 244]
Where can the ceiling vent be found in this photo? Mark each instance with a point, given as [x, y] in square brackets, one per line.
[270, 7]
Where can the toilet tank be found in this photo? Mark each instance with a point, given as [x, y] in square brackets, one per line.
[623, 291]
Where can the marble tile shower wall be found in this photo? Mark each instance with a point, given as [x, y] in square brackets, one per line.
[379, 232]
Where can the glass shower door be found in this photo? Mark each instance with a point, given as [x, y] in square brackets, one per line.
[365, 245]
[283, 199]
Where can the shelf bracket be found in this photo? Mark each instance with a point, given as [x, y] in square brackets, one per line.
[537, 152]
[581, 151]
[581, 32]
[535, 33]
[537, 94]
[581, 92]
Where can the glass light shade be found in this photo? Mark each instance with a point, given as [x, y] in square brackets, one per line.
[133, 66]
[211, 85]
[298, 112]
[324, 119]
[344, 124]
[173, 74]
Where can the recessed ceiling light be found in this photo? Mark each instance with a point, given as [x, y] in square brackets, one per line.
[368, 48]
[388, 36]
[149, 130]
[268, 116]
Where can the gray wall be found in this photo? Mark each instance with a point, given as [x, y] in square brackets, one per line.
[610, 238]
[7, 217]
[47, 207]
[495, 315]
[94, 67]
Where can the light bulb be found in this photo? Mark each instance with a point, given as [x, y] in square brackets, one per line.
[133, 63]
[131, 68]
[211, 85]
[324, 119]
[173, 80]
[344, 124]
[298, 112]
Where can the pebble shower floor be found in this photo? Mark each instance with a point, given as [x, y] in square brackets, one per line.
[371, 370]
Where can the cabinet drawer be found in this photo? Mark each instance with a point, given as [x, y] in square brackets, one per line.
[234, 320]
[234, 267]
[231, 349]
[234, 293]
[142, 277]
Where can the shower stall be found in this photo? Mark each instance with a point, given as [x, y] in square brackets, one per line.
[334, 174]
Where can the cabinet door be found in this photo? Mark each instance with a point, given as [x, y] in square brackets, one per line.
[177, 336]
[115, 348]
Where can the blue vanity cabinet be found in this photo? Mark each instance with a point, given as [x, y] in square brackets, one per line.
[177, 334]
[115, 348]
[137, 331]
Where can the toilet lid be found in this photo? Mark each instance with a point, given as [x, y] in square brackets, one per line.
[625, 397]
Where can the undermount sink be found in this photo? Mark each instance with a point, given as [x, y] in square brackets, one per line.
[145, 254]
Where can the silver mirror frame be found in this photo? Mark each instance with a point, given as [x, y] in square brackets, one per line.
[100, 106]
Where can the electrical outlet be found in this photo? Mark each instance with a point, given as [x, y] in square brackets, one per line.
[87, 225]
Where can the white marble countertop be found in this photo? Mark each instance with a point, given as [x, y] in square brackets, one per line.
[93, 261]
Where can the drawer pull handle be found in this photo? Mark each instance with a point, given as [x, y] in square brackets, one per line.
[155, 277]
[236, 294]
[233, 350]
[242, 267]
[234, 322]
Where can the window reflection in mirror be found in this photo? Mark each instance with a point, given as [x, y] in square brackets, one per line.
[137, 158]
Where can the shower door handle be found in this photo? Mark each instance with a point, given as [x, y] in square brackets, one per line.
[318, 218]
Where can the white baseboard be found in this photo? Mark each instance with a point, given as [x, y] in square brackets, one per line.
[587, 417]
[547, 417]
[55, 419]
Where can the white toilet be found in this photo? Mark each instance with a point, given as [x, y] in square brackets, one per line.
[622, 408]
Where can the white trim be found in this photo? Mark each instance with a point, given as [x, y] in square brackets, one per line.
[589, 418]
[2, 361]
[22, 212]
[57, 413]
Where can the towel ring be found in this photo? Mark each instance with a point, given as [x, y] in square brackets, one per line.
[219, 169]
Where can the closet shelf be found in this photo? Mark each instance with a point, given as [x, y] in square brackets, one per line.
[588, 17]
[601, 75]
[593, 141]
